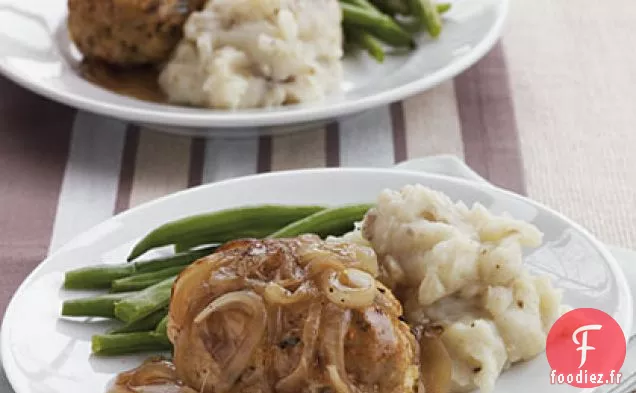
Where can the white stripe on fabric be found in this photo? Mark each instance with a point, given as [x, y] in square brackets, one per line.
[228, 158]
[366, 139]
[89, 188]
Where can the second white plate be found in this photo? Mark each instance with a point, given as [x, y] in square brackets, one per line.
[42, 353]
[35, 51]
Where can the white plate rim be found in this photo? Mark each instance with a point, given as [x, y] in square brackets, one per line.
[234, 119]
[626, 322]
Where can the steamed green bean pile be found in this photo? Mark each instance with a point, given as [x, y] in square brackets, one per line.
[374, 25]
[139, 290]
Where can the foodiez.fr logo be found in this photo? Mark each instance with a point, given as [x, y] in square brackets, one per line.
[585, 348]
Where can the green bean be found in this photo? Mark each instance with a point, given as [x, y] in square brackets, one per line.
[221, 226]
[414, 25]
[363, 4]
[334, 221]
[349, 46]
[96, 306]
[96, 277]
[381, 26]
[144, 302]
[162, 327]
[410, 25]
[194, 241]
[179, 259]
[433, 19]
[141, 281]
[127, 343]
[427, 14]
[392, 7]
[443, 8]
[148, 323]
[182, 247]
[368, 42]
[102, 276]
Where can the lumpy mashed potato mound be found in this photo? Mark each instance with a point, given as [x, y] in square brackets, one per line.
[257, 53]
[463, 267]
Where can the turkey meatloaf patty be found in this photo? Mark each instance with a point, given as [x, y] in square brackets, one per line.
[128, 32]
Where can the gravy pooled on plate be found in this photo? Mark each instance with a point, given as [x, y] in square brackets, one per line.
[137, 82]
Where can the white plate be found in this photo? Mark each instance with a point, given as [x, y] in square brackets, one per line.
[44, 354]
[35, 51]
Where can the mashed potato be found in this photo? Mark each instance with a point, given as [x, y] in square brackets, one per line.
[257, 53]
[463, 267]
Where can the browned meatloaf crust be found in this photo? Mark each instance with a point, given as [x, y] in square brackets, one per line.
[128, 32]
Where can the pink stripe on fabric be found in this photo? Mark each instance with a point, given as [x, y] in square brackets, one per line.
[399, 132]
[127, 172]
[332, 145]
[197, 158]
[264, 163]
[489, 128]
[34, 144]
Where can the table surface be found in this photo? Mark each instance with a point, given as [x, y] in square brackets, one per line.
[549, 112]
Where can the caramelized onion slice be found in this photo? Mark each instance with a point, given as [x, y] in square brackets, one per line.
[245, 300]
[154, 376]
[336, 381]
[150, 373]
[298, 378]
[252, 305]
[435, 363]
[368, 259]
[276, 294]
[336, 324]
[350, 288]
[321, 265]
[164, 389]
[336, 254]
